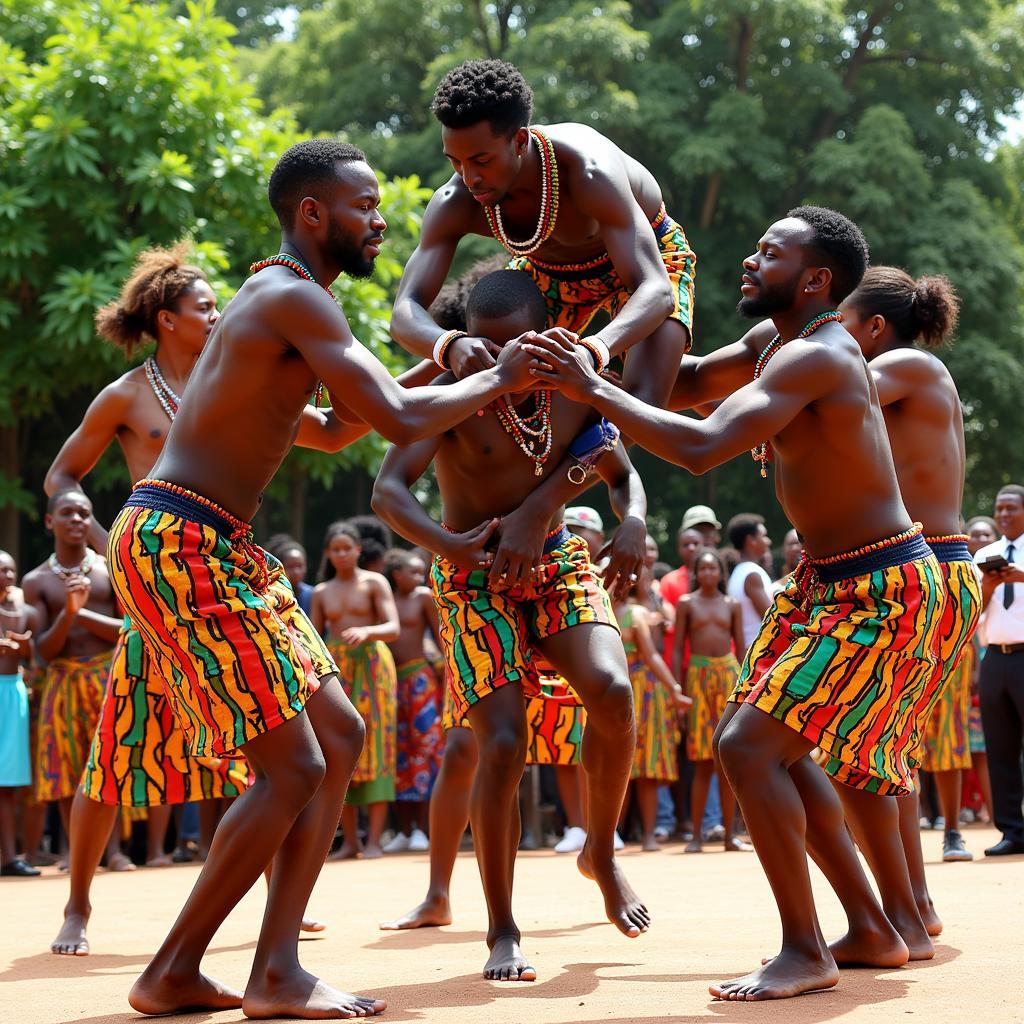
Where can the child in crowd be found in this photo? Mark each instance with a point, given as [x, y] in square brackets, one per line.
[420, 738]
[656, 697]
[709, 626]
[16, 620]
[355, 611]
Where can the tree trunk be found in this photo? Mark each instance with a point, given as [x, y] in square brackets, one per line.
[10, 468]
[744, 46]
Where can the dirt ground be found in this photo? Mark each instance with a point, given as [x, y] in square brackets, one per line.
[713, 919]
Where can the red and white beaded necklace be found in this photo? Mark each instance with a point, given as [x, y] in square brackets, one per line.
[548, 203]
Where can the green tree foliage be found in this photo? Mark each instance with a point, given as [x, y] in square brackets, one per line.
[123, 126]
[887, 109]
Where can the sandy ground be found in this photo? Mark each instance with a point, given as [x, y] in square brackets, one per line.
[713, 919]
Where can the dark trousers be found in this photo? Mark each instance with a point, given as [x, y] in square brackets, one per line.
[1001, 688]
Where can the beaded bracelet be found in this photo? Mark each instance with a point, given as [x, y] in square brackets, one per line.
[598, 350]
[442, 345]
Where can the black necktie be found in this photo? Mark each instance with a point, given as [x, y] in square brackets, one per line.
[1008, 587]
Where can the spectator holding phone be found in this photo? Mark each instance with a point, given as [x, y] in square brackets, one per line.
[1001, 683]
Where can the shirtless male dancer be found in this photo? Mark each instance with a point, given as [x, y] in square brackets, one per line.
[584, 219]
[888, 314]
[846, 653]
[490, 629]
[77, 627]
[139, 756]
[243, 666]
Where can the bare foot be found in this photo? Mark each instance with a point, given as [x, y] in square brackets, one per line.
[506, 962]
[932, 921]
[169, 993]
[867, 948]
[431, 913]
[120, 862]
[735, 845]
[621, 904]
[71, 940]
[694, 846]
[347, 851]
[163, 861]
[870, 949]
[650, 845]
[311, 924]
[789, 974]
[915, 935]
[306, 997]
[371, 851]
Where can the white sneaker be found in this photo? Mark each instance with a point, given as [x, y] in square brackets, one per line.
[572, 841]
[397, 845]
[418, 841]
[617, 843]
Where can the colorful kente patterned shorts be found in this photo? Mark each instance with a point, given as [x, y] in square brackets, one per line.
[944, 724]
[848, 665]
[709, 681]
[488, 632]
[574, 297]
[555, 720]
[68, 712]
[218, 617]
[139, 757]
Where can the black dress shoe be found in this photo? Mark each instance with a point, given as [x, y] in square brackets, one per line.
[19, 868]
[1005, 847]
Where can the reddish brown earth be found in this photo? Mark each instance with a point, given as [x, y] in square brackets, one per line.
[713, 919]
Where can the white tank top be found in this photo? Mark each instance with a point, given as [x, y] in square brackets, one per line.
[736, 588]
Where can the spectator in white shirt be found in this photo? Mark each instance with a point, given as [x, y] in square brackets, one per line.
[749, 583]
[1001, 683]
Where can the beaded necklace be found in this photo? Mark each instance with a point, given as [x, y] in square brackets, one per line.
[296, 266]
[759, 453]
[548, 203]
[168, 400]
[531, 433]
[66, 572]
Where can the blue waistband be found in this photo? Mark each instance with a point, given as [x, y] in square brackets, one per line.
[909, 550]
[951, 551]
[160, 500]
[557, 539]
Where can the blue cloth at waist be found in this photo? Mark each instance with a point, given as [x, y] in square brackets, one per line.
[10, 678]
[160, 500]
[909, 550]
[951, 551]
[557, 539]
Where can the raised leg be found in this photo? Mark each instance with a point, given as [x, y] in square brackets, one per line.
[449, 816]
[650, 372]
[91, 826]
[756, 753]
[591, 658]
